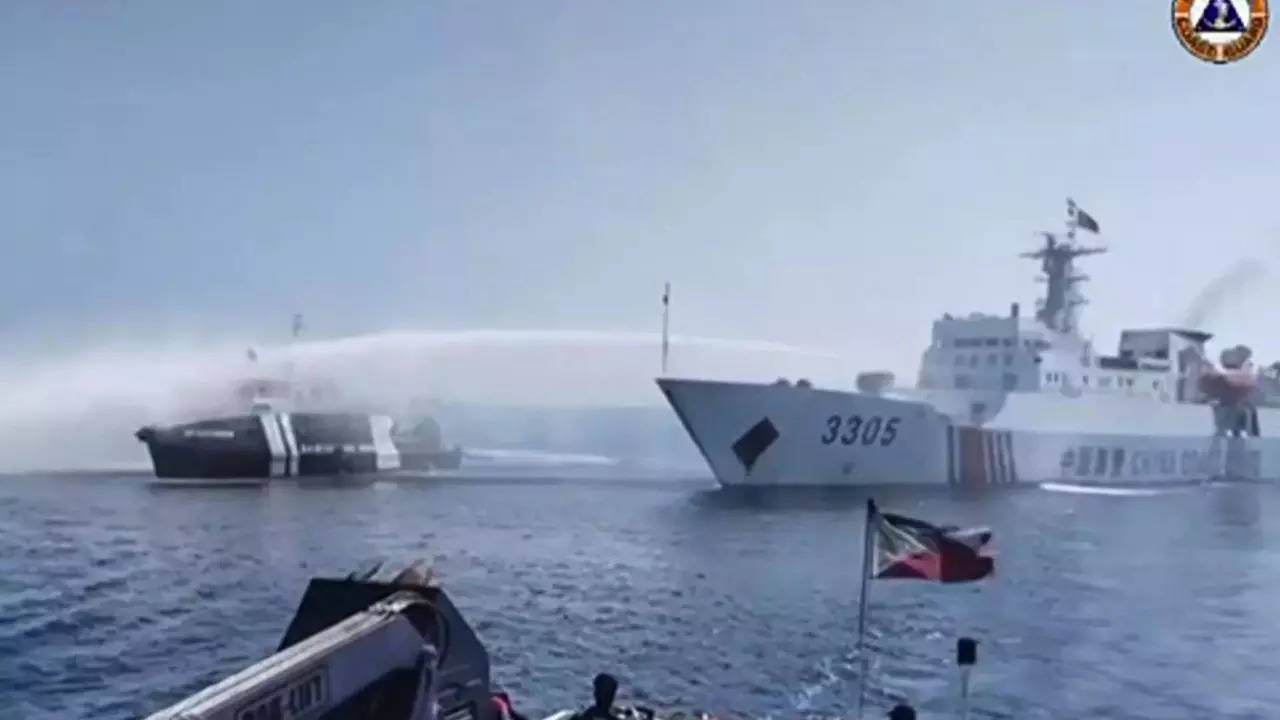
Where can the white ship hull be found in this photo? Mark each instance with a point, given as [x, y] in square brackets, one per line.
[769, 435]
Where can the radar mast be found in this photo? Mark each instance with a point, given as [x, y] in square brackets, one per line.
[1058, 308]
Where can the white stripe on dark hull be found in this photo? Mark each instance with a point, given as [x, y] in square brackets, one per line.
[271, 430]
[281, 445]
[285, 421]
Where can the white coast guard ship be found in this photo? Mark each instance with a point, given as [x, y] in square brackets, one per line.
[1005, 399]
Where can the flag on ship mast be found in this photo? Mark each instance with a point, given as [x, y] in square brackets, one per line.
[1080, 218]
[900, 547]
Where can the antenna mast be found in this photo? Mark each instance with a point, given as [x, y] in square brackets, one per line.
[297, 330]
[666, 304]
[1058, 308]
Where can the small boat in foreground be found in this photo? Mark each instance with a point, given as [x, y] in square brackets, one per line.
[361, 648]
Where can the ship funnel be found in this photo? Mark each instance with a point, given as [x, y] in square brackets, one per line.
[1013, 310]
[874, 383]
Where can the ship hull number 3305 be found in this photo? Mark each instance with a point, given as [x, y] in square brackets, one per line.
[855, 429]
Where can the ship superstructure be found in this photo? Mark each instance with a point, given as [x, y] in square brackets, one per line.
[1005, 398]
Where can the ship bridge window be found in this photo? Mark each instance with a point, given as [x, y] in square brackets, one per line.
[1008, 342]
[1008, 358]
[1104, 382]
[992, 359]
[992, 342]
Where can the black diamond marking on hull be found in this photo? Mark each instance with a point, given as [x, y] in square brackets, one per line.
[754, 442]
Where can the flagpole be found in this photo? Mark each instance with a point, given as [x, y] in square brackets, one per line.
[666, 303]
[868, 543]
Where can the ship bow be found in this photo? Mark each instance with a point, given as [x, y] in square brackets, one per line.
[783, 434]
[737, 427]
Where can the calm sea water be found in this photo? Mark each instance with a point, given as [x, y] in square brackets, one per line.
[117, 598]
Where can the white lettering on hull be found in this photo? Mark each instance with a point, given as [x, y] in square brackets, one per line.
[330, 448]
[1127, 463]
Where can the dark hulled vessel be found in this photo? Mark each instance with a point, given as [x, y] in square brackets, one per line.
[270, 444]
[293, 431]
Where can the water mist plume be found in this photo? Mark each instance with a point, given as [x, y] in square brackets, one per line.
[81, 410]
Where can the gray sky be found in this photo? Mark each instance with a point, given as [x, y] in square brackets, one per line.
[822, 174]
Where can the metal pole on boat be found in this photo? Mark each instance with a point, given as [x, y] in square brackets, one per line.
[966, 657]
[296, 331]
[868, 544]
[666, 304]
